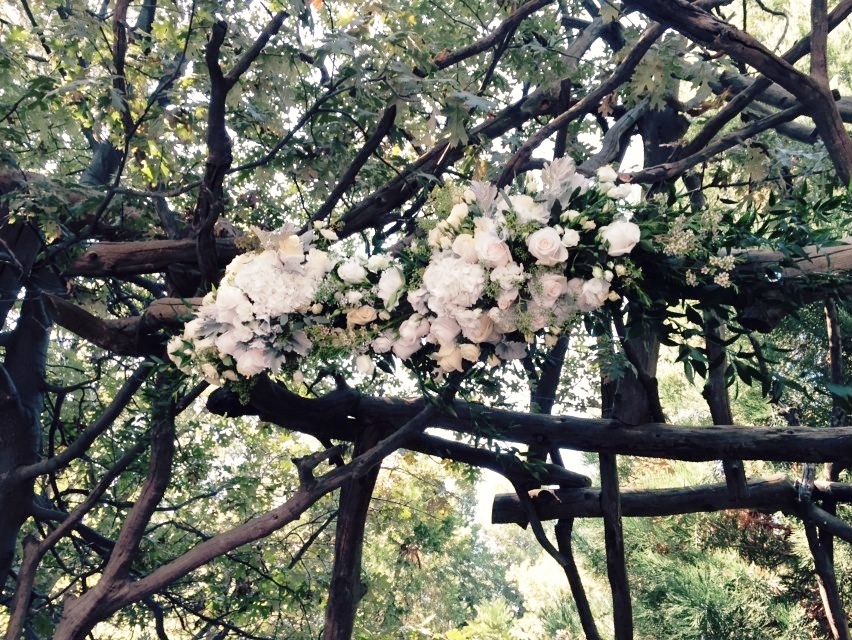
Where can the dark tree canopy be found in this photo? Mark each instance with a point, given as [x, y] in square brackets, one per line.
[689, 161]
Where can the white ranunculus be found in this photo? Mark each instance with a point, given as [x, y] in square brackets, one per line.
[546, 246]
[465, 248]
[607, 174]
[570, 238]
[405, 347]
[364, 314]
[390, 287]
[444, 330]
[527, 209]
[621, 236]
[365, 364]
[352, 272]
[548, 288]
[595, 292]
[491, 250]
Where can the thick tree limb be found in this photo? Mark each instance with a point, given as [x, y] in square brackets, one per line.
[718, 399]
[337, 417]
[262, 525]
[117, 259]
[776, 493]
[133, 336]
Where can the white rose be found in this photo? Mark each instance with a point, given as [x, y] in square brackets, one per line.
[390, 286]
[491, 250]
[365, 364]
[415, 327]
[364, 314]
[382, 344]
[571, 238]
[405, 347]
[465, 248]
[469, 196]
[546, 245]
[352, 272]
[528, 210]
[549, 288]
[620, 191]
[607, 174]
[478, 327]
[594, 293]
[444, 330]
[621, 236]
[352, 298]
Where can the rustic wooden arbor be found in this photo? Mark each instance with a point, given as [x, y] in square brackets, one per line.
[190, 259]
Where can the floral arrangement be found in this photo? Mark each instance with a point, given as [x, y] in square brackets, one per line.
[501, 268]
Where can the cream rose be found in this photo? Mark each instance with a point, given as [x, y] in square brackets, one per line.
[364, 314]
[546, 246]
[448, 358]
[621, 236]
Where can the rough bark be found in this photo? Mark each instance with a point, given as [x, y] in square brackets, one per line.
[339, 416]
[346, 589]
[776, 493]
